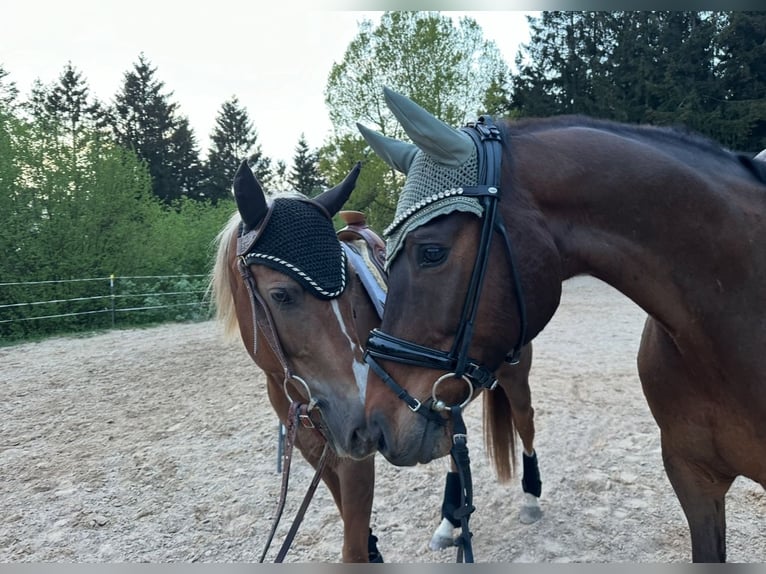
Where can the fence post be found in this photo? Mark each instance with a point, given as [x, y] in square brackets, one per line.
[111, 290]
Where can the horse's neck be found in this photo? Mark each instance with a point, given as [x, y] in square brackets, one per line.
[664, 234]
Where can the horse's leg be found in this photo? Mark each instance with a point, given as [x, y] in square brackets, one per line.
[516, 386]
[703, 499]
[512, 399]
[444, 535]
[512, 395]
[689, 454]
[357, 486]
[352, 484]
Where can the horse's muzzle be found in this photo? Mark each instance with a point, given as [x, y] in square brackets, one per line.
[420, 442]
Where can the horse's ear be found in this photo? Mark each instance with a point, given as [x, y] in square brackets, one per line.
[397, 154]
[445, 144]
[251, 201]
[334, 198]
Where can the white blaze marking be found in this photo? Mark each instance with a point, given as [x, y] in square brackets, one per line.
[360, 368]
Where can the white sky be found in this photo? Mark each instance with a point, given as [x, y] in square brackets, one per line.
[275, 60]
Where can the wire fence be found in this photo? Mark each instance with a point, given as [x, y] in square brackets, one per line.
[30, 309]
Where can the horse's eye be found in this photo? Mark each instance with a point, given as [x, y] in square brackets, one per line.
[432, 255]
[281, 296]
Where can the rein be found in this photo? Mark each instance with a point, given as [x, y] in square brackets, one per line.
[456, 363]
[298, 411]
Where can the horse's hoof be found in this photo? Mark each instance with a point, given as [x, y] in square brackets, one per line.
[441, 542]
[530, 514]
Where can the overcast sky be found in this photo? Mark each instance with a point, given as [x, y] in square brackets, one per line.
[276, 61]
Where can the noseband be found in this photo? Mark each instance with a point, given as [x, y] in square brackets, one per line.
[456, 363]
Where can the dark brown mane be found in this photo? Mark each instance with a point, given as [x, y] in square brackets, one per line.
[679, 141]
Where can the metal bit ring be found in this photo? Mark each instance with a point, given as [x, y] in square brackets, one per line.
[440, 405]
[290, 377]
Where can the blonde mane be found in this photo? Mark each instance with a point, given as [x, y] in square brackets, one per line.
[219, 282]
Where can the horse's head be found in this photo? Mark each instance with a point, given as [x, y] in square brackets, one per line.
[301, 311]
[453, 315]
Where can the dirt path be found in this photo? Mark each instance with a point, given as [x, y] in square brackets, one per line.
[159, 445]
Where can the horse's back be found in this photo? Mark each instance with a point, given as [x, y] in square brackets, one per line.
[755, 165]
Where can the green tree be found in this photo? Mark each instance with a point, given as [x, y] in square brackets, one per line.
[8, 90]
[233, 139]
[279, 177]
[564, 69]
[639, 66]
[145, 120]
[742, 70]
[70, 103]
[187, 173]
[445, 66]
[687, 90]
[305, 177]
[373, 194]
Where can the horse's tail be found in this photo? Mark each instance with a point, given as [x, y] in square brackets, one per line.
[219, 282]
[500, 433]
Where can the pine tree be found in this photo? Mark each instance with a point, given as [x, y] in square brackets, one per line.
[8, 90]
[70, 103]
[304, 177]
[742, 70]
[145, 120]
[279, 177]
[233, 139]
[186, 170]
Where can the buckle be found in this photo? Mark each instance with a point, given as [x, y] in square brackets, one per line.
[306, 421]
[416, 407]
[457, 436]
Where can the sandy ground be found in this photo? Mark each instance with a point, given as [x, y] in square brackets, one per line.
[158, 445]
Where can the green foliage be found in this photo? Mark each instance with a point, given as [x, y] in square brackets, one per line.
[376, 188]
[79, 201]
[98, 217]
[445, 67]
[234, 139]
[8, 91]
[145, 120]
[702, 70]
[183, 236]
[304, 177]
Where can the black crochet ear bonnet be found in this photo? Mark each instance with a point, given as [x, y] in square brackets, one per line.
[297, 238]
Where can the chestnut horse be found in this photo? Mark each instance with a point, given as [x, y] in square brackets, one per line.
[668, 218]
[304, 326]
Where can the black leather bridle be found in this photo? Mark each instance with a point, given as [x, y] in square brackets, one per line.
[382, 346]
[456, 363]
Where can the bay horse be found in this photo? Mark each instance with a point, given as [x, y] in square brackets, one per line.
[669, 218]
[303, 320]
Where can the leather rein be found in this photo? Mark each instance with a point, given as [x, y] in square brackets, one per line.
[456, 363]
[298, 412]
